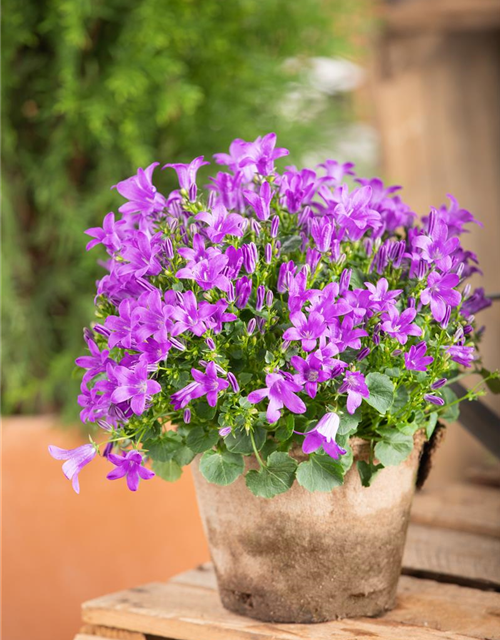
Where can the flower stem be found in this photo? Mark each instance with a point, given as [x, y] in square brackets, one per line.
[255, 450]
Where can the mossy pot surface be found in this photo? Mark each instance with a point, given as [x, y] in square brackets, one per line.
[310, 557]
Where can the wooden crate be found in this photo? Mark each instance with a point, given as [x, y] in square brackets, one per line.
[450, 589]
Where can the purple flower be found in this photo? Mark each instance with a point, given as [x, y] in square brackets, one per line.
[153, 318]
[207, 273]
[416, 360]
[440, 292]
[191, 315]
[123, 325]
[344, 335]
[134, 385]
[323, 435]
[76, 459]
[322, 234]
[221, 223]
[432, 399]
[141, 254]
[109, 235]
[95, 363]
[306, 329]
[475, 303]
[186, 173]
[281, 392]
[310, 373]
[400, 326]
[129, 465]
[142, 195]
[261, 201]
[380, 297]
[436, 247]
[198, 252]
[225, 431]
[355, 385]
[355, 213]
[261, 154]
[207, 383]
[463, 355]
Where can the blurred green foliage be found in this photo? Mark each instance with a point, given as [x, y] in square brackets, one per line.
[91, 90]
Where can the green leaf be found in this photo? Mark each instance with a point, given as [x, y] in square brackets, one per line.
[277, 477]
[401, 399]
[285, 430]
[381, 391]
[358, 279]
[349, 422]
[431, 424]
[221, 468]
[450, 414]
[320, 473]
[244, 378]
[290, 243]
[393, 372]
[240, 442]
[199, 440]
[169, 470]
[169, 446]
[493, 383]
[368, 472]
[394, 447]
[203, 410]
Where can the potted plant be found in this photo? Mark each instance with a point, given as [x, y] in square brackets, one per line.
[294, 335]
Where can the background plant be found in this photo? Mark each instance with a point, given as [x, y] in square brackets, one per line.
[93, 89]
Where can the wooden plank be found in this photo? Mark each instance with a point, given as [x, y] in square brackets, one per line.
[485, 475]
[442, 15]
[188, 608]
[452, 556]
[461, 507]
[98, 632]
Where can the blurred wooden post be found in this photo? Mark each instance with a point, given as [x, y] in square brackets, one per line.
[436, 87]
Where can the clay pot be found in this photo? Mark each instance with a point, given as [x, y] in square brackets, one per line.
[310, 557]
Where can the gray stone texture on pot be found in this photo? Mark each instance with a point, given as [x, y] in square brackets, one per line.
[310, 557]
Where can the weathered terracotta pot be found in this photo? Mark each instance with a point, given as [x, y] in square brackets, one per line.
[310, 557]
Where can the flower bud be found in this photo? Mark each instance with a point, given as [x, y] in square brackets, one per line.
[363, 354]
[251, 326]
[233, 382]
[187, 416]
[432, 399]
[439, 383]
[275, 224]
[225, 431]
[261, 292]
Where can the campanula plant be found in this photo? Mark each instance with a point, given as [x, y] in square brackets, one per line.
[273, 312]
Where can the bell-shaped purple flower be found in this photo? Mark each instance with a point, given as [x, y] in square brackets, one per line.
[323, 435]
[186, 173]
[75, 459]
[416, 360]
[140, 192]
[355, 386]
[400, 326]
[306, 329]
[440, 291]
[129, 465]
[281, 392]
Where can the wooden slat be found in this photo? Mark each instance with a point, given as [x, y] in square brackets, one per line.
[188, 608]
[461, 507]
[453, 556]
[443, 15]
[98, 632]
